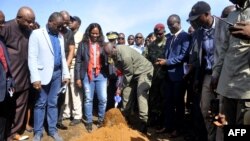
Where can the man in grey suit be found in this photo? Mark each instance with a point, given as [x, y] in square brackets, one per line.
[137, 72]
[47, 65]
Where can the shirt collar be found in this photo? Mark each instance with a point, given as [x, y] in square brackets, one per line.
[141, 46]
[177, 33]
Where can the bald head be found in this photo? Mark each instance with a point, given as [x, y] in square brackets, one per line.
[66, 19]
[108, 48]
[2, 18]
[227, 10]
[25, 18]
[25, 12]
[65, 14]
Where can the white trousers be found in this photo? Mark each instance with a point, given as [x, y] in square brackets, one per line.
[73, 99]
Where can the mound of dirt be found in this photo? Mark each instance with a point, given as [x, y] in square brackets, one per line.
[115, 129]
[119, 132]
[113, 117]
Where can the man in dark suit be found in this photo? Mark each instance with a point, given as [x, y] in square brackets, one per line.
[175, 55]
[15, 35]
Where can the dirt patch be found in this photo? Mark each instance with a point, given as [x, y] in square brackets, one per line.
[115, 129]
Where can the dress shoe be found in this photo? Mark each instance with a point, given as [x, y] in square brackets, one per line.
[61, 126]
[89, 127]
[99, 124]
[75, 122]
[56, 137]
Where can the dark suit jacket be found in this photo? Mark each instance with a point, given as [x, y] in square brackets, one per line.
[82, 61]
[3, 75]
[176, 54]
[197, 55]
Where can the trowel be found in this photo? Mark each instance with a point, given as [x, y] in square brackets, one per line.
[117, 99]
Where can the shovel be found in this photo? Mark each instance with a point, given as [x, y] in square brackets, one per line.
[117, 99]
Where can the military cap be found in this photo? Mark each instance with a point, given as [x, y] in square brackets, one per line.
[159, 26]
[112, 35]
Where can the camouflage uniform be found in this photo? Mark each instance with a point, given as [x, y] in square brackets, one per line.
[156, 94]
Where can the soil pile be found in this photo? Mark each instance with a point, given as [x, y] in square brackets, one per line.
[113, 117]
[115, 129]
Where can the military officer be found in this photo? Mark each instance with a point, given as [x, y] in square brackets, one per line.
[138, 72]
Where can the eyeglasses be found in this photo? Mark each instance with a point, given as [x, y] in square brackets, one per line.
[120, 38]
[138, 37]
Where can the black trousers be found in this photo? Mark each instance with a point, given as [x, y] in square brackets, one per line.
[175, 106]
[5, 123]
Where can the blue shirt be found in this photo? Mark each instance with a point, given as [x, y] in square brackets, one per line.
[208, 47]
[57, 50]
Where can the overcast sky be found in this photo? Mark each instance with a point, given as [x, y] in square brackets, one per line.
[127, 16]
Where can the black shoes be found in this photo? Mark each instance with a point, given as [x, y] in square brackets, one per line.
[61, 126]
[99, 124]
[75, 122]
[89, 127]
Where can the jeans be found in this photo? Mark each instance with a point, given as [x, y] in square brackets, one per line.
[99, 86]
[47, 99]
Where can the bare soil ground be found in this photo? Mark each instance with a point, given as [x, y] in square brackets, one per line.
[115, 129]
[74, 132]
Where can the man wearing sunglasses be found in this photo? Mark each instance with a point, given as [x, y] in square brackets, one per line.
[121, 39]
[139, 43]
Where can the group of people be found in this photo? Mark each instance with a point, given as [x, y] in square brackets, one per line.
[54, 72]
